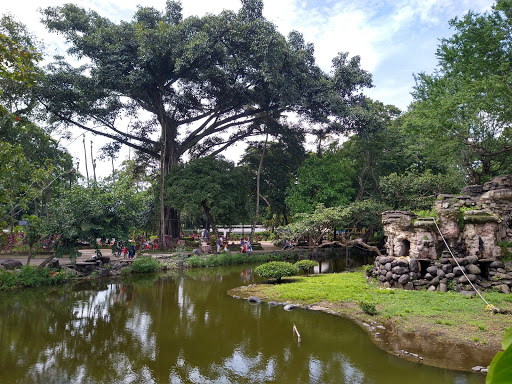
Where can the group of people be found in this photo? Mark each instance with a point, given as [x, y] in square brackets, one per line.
[245, 245]
[128, 252]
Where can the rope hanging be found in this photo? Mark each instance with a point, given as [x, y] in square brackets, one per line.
[489, 306]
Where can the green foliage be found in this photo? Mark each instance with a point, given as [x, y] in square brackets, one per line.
[416, 192]
[281, 161]
[207, 187]
[500, 369]
[215, 81]
[305, 265]
[30, 276]
[323, 180]
[102, 211]
[320, 223]
[145, 264]
[7, 279]
[465, 105]
[276, 270]
[232, 259]
[368, 308]
[424, 213]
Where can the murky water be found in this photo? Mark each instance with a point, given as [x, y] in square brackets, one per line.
[184, 328]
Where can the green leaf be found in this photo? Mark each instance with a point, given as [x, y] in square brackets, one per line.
[507, 339]
[500, 370]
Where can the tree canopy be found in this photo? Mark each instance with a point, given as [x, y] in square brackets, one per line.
[465, 104]
[204, 83]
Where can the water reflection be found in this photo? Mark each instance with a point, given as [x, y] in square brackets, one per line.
[183, 328]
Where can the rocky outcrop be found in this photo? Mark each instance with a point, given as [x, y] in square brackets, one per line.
[476, 225]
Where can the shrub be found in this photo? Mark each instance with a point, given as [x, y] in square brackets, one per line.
[368, 308]
[305, 265]
[145, 264]
[276, 270]
[7, 279]
[30, 276]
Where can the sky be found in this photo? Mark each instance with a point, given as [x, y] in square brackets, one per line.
[394, 38]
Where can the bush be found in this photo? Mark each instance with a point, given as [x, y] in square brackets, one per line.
[7, 279]
[368, 308]
[30, 276]
[305, 265]
[145, 264]
[276, 270]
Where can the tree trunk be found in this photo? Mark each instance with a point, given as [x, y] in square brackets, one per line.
[210, 218]
[253, 227]
[169, 217]
[29, 253]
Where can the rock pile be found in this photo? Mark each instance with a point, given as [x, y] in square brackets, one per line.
[444, 274]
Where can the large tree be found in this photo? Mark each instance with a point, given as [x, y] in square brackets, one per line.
[323, 180]
[281, 161]
[203, 83]
[208, 185]
[466, 104]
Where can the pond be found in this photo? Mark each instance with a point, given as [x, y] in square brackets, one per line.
[184, 328]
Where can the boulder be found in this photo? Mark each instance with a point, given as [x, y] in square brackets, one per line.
[503, 288]
[464, 279]
[473, 269]
[472, 259]
[289, 307]
[497, 264]
[409, 286]
[400, 270]
[11, 264]
[254, 300]
[447, 268]
[443, 287]
[197, 252]
[54, 263]
[432, 270]
[402, 263]
[403, 279]
[441, 274]
[458, 271]
[413, 265]
[105, 272]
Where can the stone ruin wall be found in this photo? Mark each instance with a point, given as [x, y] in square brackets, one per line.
[474, 224]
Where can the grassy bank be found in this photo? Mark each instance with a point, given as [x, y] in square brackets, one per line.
[447, 317]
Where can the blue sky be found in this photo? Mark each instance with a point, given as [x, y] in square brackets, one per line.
[394, 38]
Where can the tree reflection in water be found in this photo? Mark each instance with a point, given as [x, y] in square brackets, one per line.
[183, 328]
